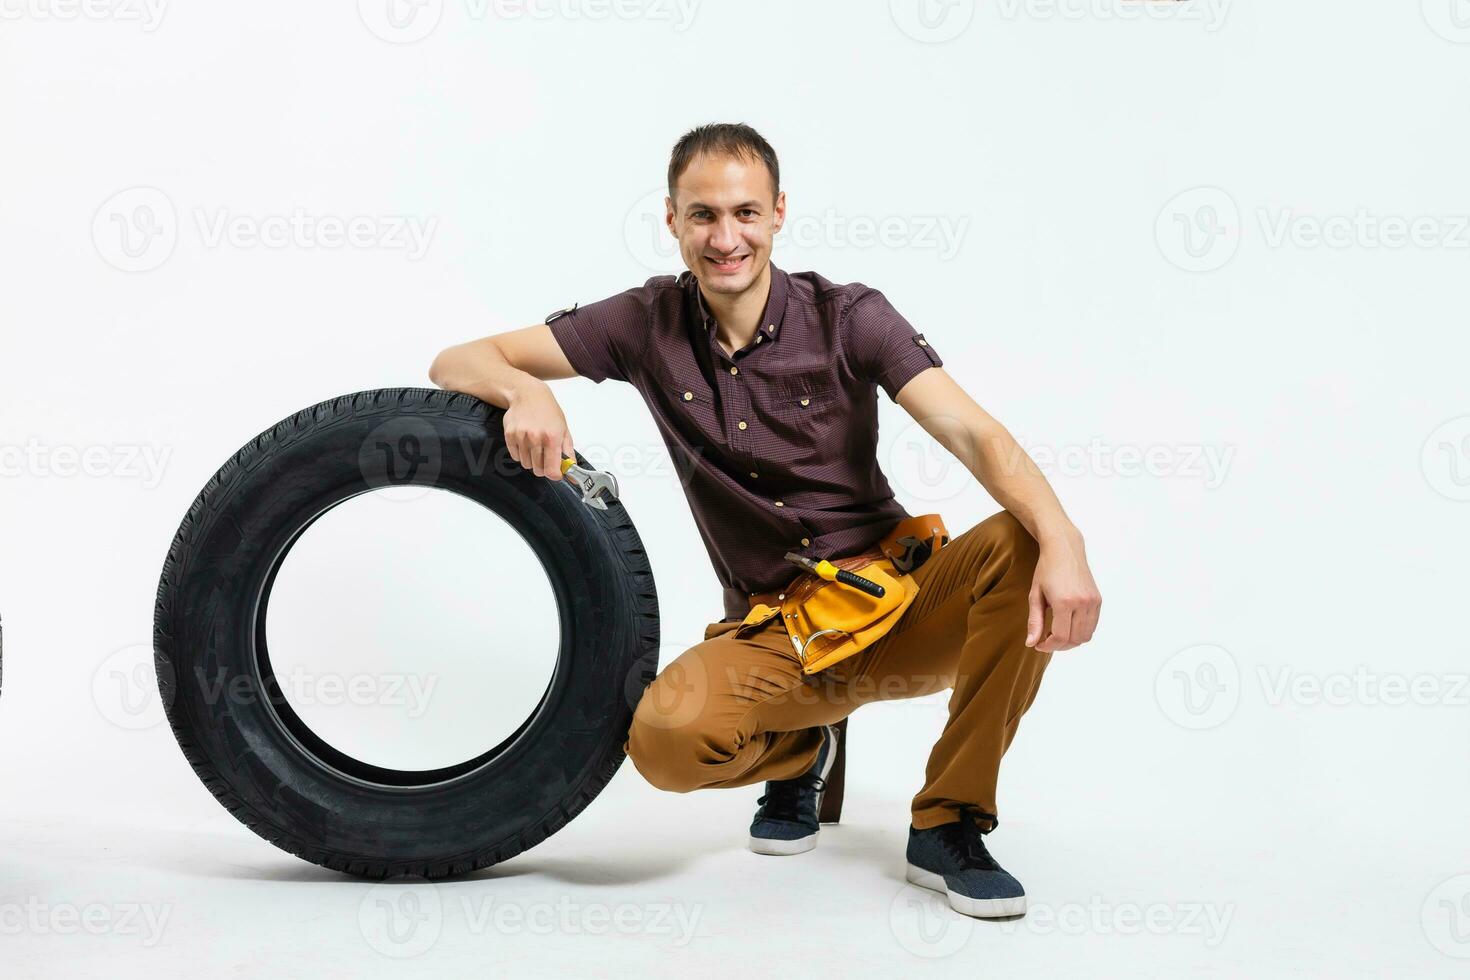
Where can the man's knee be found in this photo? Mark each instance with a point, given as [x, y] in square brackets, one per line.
[667, 741]
[657, 756]
[1008, 537]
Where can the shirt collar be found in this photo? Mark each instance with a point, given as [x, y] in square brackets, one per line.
[770, 318]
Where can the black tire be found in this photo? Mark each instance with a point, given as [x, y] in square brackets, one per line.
[282, 781]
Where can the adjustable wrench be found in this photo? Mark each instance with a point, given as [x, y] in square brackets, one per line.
[597, 486]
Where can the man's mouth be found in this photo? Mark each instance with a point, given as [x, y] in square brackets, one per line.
[727, 265]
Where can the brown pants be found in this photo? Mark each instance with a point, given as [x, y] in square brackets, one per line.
[736, 710]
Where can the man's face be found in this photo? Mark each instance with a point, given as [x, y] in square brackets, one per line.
[723, 216]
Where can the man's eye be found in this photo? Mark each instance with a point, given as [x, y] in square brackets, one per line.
[700, 214]
[747, 211]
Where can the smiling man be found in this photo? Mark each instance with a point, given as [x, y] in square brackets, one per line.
[764, 386]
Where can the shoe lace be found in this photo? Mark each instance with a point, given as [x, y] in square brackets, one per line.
[966, 841]
[787, 799]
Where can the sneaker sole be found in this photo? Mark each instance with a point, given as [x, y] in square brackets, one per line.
[769, 845]
[980, 908]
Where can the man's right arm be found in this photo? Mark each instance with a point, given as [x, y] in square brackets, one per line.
[510, 370]
[493, 368]
[598, 341]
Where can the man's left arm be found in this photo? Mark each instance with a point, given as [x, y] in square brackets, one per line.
[1063, 582]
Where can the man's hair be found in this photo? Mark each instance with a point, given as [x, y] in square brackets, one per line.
[724, 139]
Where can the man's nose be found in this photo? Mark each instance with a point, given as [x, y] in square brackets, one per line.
[725, 236]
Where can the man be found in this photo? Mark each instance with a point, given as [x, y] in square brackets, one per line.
[763, 384]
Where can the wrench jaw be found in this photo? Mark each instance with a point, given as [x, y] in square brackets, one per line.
[592, 494]
[605, 481]
[597, 487]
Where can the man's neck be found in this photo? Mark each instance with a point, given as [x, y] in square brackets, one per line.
[738, 314]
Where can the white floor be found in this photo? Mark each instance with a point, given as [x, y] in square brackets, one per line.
[644, 883]
[1292, 838]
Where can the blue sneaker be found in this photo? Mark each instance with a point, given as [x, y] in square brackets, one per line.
[786, 821]
[952, 859]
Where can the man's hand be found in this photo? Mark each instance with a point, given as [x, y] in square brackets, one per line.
[1063, 583]
[536, 430]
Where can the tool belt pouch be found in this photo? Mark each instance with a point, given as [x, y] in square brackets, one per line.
[830, 621]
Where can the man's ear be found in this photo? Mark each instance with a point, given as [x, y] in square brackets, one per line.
[779, 212]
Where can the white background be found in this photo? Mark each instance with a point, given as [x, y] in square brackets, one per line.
[1182, 800]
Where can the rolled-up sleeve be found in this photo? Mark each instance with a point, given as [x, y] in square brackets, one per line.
[881, 346]
[601, 340]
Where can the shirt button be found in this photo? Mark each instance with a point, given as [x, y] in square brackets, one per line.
[734, 370]
[779, 504]
[688, 396]
[806, 401]
[759, 337]
[754, 475]
[805, 542]
[742, 423]
[923, 343]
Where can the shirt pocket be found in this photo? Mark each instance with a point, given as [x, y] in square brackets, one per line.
[692, 401]
[807, 400]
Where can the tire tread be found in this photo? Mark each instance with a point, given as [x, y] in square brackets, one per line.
[206, 508]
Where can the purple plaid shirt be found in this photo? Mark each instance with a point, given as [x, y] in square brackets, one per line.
[776, 444]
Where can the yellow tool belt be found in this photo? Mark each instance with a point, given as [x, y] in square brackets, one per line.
[829, 621]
